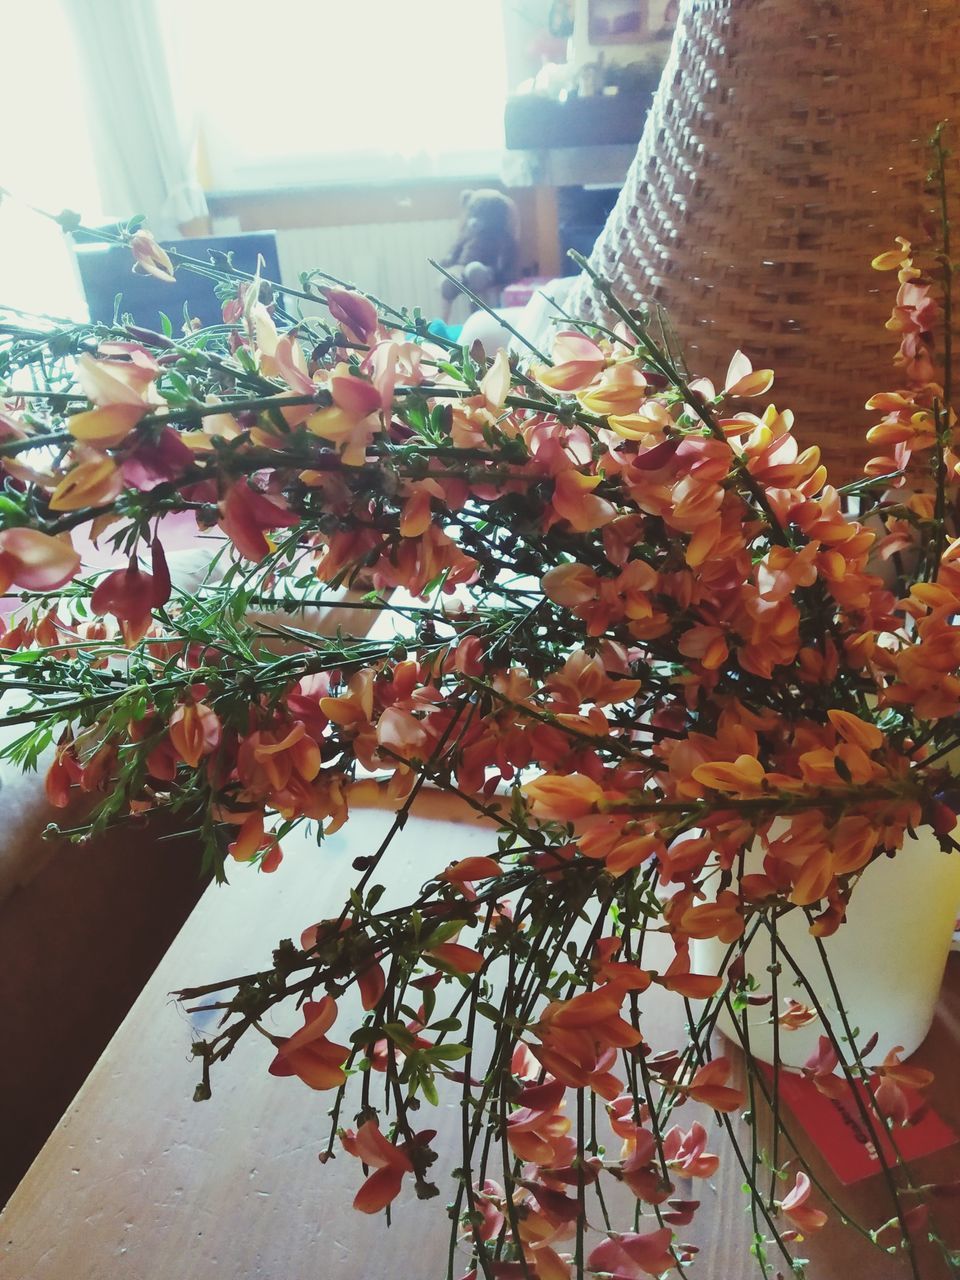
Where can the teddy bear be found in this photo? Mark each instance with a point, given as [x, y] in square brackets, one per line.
[484, 256]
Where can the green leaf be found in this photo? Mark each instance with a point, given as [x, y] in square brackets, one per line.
[429, 1089]
[13, 510]
[399, 1034]
[178, 384]
[429, 1003]
[444, 932]
[374, 894]
[445, 1052]
[446, 1024]
[366, 1036]
[23, 655]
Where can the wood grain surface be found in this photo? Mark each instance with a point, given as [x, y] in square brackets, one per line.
[140, 1183]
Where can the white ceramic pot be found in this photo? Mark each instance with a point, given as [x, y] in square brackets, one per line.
[887, 959]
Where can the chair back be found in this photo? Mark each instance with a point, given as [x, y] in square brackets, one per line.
[106, 272]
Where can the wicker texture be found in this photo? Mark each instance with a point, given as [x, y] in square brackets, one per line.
[786, 145]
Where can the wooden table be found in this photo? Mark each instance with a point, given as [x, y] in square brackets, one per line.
[139, 1182]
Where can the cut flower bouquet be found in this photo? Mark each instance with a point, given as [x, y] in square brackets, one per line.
[691, 686]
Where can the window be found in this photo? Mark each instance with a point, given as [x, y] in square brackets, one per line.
[324, 92]
[47, 161]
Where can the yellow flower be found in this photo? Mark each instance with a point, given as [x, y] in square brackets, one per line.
[89, 484]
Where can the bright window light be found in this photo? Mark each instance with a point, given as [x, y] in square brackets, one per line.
[45, 160]
[314, 92]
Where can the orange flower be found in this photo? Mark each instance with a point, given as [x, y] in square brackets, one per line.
[417, 511]
[678, 978]
[598, 1010]
[537, 1131]
[744, 777]
[250, 837]
[854, 840]
[389, 1162]
[579, 1039]
[269, 758]
[355, 314]
[131, 595]
[88, 484]
[455, 956]
[804, 1217]
[583, 678]
[354, 417]
[743, 380]
[353, 709]
[553, 798]
[194, 732]
[820, 1068]
[106, 427]
[308, 1053]
[118, 382]
[856, 731]
[709, 1086]
[721, 919]
[620, 390]
[796, 1015]
[619, 973]
[577, 361]
[63, 774]
[473, 868]
[847, 763]
[619, 842]
[575, 501]
[707, 644]
[495, 383]
[247, 513]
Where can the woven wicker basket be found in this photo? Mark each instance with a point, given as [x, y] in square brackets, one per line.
[786, 145]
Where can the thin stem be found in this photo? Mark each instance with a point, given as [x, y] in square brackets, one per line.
[852, 1082]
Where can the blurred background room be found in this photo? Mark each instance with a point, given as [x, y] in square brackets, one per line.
[347, 137]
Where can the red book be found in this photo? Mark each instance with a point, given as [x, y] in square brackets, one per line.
[837, 1128]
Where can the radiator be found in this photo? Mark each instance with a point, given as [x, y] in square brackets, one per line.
[387, 259]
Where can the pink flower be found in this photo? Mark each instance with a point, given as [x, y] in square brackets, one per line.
[156, 461]
[149, 259]
[820, 1068]
[356, 315]
[131, 595]
[630, 1256]
[687, 1153]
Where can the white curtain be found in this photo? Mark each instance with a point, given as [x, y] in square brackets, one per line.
[142, 146]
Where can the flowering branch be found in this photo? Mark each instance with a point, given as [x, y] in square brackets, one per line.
[626, 619]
